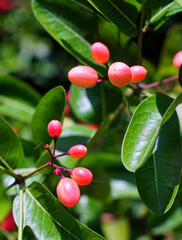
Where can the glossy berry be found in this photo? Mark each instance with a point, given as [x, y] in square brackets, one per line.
[77, 151]
[100, 52]
[54, 128]
[82, 176]
[177, 60]
[68, 192]
[8, 224]
[83, 76]
[138, 73]
[119, 74]
[47, 147]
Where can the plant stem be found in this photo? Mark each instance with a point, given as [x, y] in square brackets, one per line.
[8, 172]
[155, 84]
[60, 155]
[20, 225]
[140, 36]
[35, 171]
[7, 165]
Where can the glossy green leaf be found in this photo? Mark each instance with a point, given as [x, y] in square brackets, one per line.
[67, 21]
[117, 13]
[93, 104]
[50, 107]
[158, 179]
[158, 12]
[11, 150]
[180, 76]
[47, 218]
[17, 99]
[144, 128]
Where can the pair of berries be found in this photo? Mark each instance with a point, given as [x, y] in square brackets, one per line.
[68, 191]
[119, 73]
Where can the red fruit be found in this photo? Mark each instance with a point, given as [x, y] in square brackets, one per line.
[100, 52]
[68, 192]
[83, 76]
[56, 171]
[8, 224]
[82, 176]
[177, 60]
[54, 128]
[67, 109]
[119, 74]
[6, 5]
[77, 151]
[138, 73]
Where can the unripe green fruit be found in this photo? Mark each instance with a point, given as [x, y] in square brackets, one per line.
[100, 52]
[177, 60]
[138, 73]
[68, 192]
[119, 74]
[83, 76]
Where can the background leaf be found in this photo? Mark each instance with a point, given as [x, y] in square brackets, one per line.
[17, 98]
[67, 21]
[158, 12]
[10, 146]
[47, 218]
[144, 128]
[93, 104]
[118, 13]
[50, 107]
[158, 179]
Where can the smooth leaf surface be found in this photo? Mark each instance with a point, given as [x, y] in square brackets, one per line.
[158, 179]
[11, 150]
[93, 104]
[144, 128]
[50, 107]
[118, 14]
[17, 99]
[158, 12]
[47, 218]
[67, 21]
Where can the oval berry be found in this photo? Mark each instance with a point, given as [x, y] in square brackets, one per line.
[83, 76]
[82, 176]
[8, 224]
[119, 74]
[54, 128]
[68, 192]
[177, 60]
[77, 151]
[138, 73]
[100, 52]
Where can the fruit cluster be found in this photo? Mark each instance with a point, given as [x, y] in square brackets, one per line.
[68, 190]
[119, 73]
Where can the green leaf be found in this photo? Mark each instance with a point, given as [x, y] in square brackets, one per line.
[17, 99]
[115, 12]
[67, 21]
[11, 150]
[47, 218]
[158, 12]
[93, 104]
[158, 179]
[180, 76]
[144, 128]
[50, 107]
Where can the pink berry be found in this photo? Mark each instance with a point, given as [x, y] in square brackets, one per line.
[78, 151]
[47, 147]
[119, 74]
[82, 176]
[177, 60]
[83, 76]
[54, 128]
[68, 192]
[100, 52]
[56, 171]
[138, 73]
